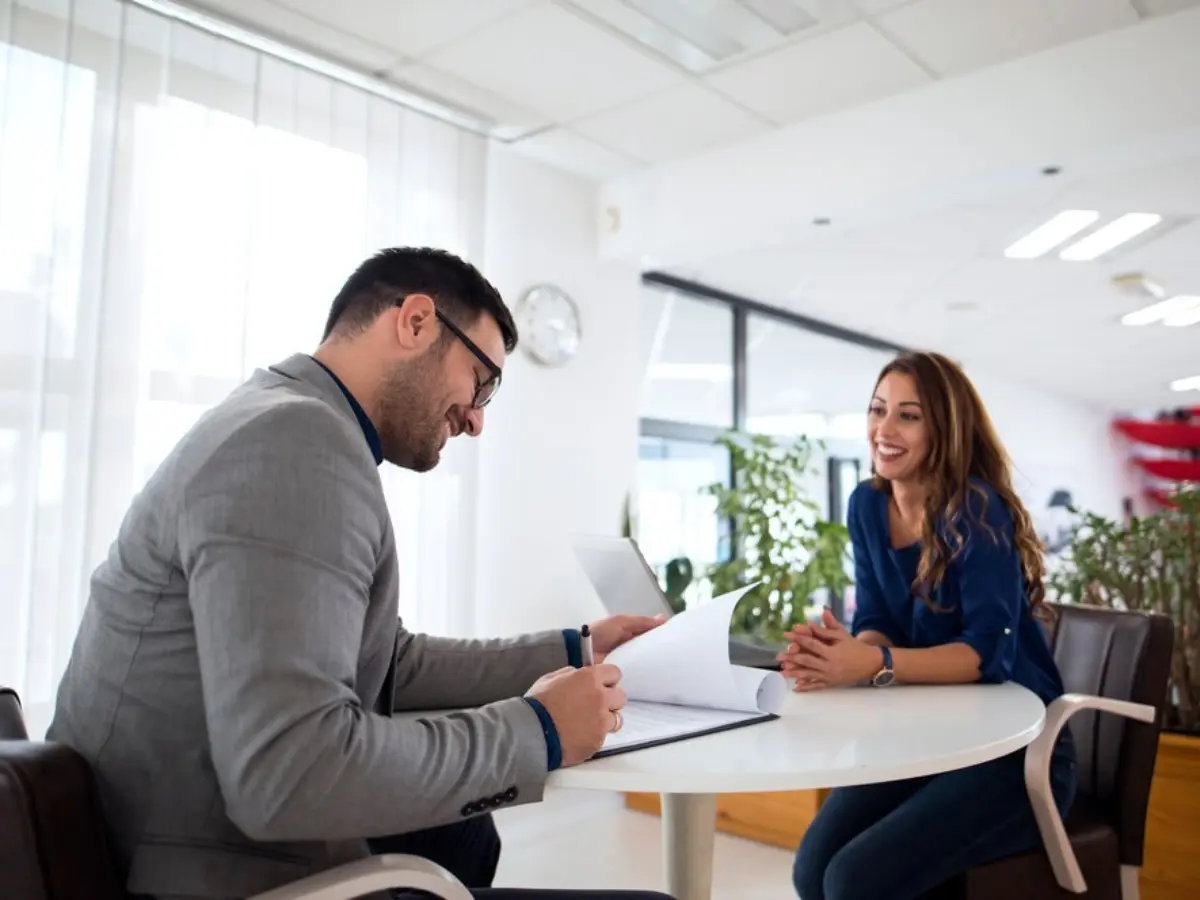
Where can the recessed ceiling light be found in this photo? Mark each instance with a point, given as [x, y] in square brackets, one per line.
[1165, 311]
[1117, 232]
[1050, 234]
[1186, 384]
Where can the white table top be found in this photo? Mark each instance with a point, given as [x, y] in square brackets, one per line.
[832, 739]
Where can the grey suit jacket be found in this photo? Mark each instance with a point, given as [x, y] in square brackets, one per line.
[240, 657]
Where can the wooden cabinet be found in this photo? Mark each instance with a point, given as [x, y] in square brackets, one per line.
[1171, 870]
[777, 818]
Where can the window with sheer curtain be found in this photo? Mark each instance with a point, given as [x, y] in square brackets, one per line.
[175, 211]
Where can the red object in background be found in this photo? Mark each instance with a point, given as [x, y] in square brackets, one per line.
[1172, 469]
[1161, 497]
[1172, 435]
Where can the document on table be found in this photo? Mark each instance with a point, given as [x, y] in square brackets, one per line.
[680, 683]
[650, 724]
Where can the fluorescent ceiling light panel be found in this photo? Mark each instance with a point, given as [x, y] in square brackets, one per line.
[1181, 318]
[693, 26]
[646, 31]
[1163, 311]
[700, 34]
[1115, 233]
[714, 372]
[1049, 235]
[1186, 384]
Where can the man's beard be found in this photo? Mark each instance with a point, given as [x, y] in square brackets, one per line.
[410, 427]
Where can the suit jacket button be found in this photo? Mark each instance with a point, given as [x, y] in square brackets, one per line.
[498, 800]
[511, 794]
[468, 810]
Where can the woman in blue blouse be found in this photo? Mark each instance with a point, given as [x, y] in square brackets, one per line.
[948, 583]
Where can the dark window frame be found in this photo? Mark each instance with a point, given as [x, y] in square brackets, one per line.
[742, 308]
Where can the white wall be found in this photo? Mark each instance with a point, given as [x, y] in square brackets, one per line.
[1058, 443]
[559, 448]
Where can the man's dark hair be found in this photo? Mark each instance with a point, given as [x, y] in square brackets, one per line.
[460, 291]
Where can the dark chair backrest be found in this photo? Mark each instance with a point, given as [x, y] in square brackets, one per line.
[12, 723]
[1122, 656]
[52, 842]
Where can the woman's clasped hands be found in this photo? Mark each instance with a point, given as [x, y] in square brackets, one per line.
[824, 655]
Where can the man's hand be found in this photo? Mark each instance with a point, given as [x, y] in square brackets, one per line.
[609, 634]
[585, 705]
[827, 655]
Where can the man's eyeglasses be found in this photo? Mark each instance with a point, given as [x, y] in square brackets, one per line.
[484, 390]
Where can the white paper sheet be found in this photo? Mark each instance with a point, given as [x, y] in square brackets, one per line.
[649, 723]
[685, 662]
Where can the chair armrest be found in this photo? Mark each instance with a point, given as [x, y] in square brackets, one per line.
[1037, 778]
[374, 873]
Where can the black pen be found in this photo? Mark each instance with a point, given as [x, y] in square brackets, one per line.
[585, 645]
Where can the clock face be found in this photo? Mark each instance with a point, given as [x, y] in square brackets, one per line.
[549, 325]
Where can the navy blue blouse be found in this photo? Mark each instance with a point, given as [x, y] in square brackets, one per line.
[982, 599]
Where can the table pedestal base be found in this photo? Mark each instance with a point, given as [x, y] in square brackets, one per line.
[689, 832]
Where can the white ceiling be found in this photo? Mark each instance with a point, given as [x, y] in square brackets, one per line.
[919, 126]
[941, 281]
[926, 189]
[564, 82]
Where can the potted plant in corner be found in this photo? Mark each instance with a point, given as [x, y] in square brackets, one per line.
[1152, 563]
[784, 541]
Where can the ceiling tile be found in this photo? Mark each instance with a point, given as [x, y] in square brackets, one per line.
[956, 36]
[566, 150]
[512, 121]
[554, 63]
[303, 31]
[671, 124]
[843, 68]
[413, 27]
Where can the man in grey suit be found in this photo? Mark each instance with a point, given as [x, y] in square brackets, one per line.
[237, 668]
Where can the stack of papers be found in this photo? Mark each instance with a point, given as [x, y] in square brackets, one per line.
[680, 682]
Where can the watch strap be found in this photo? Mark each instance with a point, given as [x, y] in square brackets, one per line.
[885, 675]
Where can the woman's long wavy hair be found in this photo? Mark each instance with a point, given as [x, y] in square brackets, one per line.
[962, 445]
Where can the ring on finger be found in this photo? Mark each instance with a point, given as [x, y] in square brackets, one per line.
[619, 721]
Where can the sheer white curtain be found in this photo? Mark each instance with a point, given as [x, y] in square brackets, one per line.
[176, 210]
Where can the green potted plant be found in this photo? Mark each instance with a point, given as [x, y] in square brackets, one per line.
[784, 541]
[1152, 563]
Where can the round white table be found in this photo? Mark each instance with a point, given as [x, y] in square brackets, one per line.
[821, 740]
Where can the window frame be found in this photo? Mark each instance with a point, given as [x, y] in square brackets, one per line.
[742, 308]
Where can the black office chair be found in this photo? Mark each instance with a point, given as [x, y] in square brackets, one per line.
[1115, 667]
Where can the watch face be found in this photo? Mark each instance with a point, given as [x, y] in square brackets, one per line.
[883, 679]
[549, 325]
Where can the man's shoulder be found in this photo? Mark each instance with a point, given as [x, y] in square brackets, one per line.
[276, 418]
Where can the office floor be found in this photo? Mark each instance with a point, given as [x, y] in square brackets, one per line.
[586, 839]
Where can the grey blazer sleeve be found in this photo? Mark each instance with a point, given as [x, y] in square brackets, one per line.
[440, 673]
[279, 533]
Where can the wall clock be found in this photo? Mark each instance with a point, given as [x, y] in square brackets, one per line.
[549, 325]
